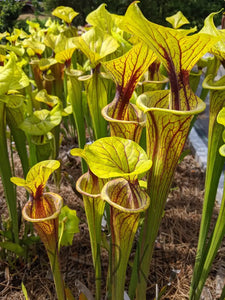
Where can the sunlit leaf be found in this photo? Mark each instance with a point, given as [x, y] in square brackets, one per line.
[177, 20]
[59, 42]
[78, 152]
[12, 38]
[116, 157]
[3, 35]
[177, 51]
[34, 27]
[43, 96]
[36, 46]
[51, 40]
[126, 71]
[19, 51]
[64, 55]
[217, 49]
[30, 52]
[65, 13]
[221, 117]
[46, 63]
[12, 77]
[41, 122]
[166, 133]
[96, 44]
[222, 150]
[101, 18]
[37, 176]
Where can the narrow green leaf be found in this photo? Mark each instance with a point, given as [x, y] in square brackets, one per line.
[90, 186]
[15, 248]
[74, 97]
[24, 291]
[215, 163]
[212, 249]
[97, 98]
[6, 173]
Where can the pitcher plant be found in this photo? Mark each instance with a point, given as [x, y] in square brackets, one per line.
[169, 114]
[43, 210]
[125, 160]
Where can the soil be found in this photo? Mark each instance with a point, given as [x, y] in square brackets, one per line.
[175, 247]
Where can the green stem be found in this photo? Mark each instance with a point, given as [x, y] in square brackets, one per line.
[222, 296]
[215, 243]
[74, 92]
[6, 174]
[55, 266]
[32, 151]
[215, 164]
[97, 100]
[56, 133]
[28, 91]
[90, 186]
[20, 141]
[147, 242]
[98, 272]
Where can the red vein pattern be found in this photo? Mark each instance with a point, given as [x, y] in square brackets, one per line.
[126, 71]
[126, 201]
[129, 129]
[90, 187]
[120, 158]
[166, 131]
[177, 51]
[46, 210]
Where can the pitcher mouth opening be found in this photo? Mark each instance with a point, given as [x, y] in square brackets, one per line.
[141, 119]
[57, 201]
[159, 101]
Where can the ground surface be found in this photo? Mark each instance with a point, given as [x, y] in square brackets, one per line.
[174, 250]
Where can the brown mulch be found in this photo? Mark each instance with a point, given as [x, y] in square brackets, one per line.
[175, 247]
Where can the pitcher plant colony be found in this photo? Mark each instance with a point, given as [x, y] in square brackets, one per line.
[125, 88]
